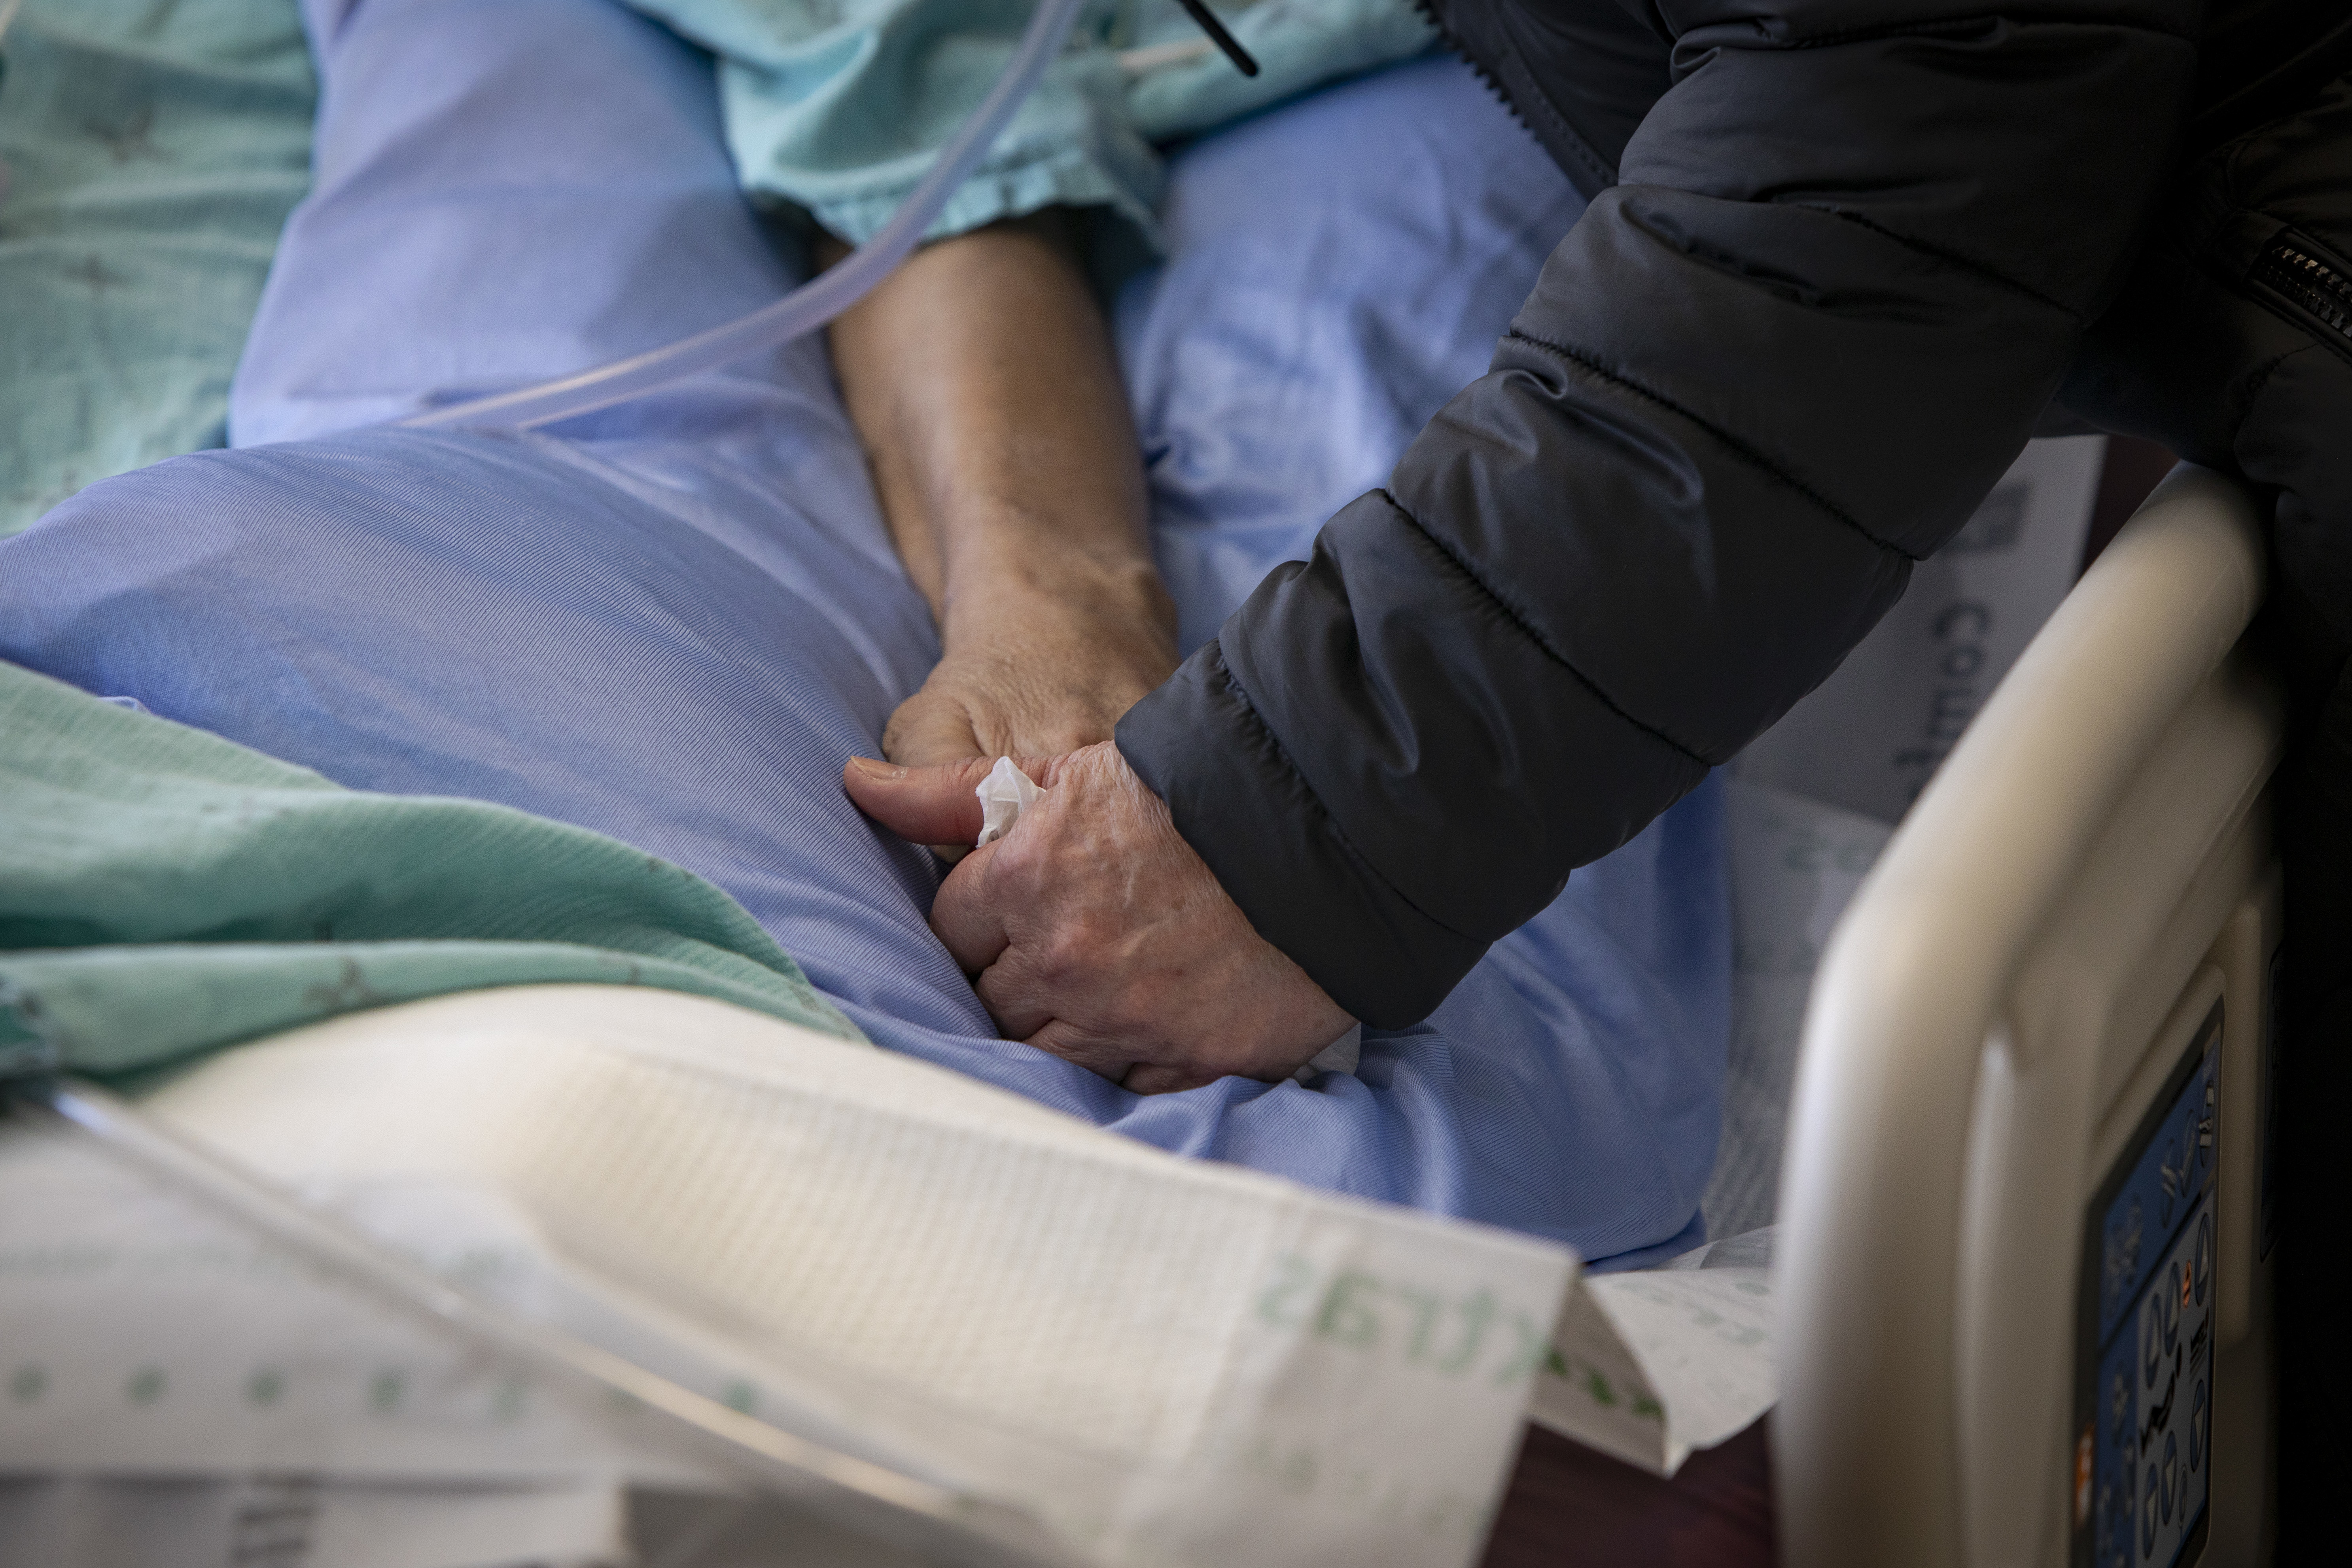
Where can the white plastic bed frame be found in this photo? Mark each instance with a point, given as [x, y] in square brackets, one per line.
[2013, 988]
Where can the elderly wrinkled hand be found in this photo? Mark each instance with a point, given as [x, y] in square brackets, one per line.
[1093, 932]
[1038, 662]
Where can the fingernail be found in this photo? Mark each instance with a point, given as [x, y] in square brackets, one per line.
[884, 771]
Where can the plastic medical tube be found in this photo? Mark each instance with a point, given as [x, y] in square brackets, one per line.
[806, 308]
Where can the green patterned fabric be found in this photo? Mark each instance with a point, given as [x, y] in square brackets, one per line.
[163, 892]
[151, 150]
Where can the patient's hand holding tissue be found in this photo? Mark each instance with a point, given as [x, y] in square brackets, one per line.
[1093, 929]
[981, 381]
[981, 378]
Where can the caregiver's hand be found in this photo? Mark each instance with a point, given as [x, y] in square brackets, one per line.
[1097, 934]
[1038, 662]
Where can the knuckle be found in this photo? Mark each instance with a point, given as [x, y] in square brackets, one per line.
[994, 992]
[1089, 947]
[1063, 956]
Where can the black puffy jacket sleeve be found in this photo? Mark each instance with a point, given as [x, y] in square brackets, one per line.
[1846, 263]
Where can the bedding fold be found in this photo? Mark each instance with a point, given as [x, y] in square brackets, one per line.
[163, 892]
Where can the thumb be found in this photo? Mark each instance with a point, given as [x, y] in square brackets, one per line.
[925, 806]
[928, 728]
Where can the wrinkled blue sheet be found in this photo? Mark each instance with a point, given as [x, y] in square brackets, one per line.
[671, 622]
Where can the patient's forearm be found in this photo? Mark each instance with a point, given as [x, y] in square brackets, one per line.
[981, 376]
[982, 379]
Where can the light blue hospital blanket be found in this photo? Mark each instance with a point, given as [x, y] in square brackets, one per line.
[671, 622]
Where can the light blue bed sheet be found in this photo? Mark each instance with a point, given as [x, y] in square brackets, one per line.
[672, 621]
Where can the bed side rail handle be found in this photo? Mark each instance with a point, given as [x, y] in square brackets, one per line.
[1867, 1451]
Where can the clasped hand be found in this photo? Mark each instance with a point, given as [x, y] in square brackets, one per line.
[1037, 660]
[982, 379]
[1094, 932]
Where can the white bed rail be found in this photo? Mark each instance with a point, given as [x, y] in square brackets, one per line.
[1980, 1028]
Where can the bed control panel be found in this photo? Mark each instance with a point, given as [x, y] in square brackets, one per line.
[2143, 1352]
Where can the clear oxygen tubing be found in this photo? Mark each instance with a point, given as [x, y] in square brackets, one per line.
[806, 308]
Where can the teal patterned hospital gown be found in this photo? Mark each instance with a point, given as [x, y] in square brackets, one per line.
[836, 107]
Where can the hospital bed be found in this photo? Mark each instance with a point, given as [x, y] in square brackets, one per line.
[2026, 925]
[2025, 1261]
[2024, 1152]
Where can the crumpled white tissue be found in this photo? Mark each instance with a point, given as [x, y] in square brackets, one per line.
[1004, 794]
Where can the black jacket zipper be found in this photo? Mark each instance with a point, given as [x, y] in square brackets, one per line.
[2311, 285]
[1478, 68]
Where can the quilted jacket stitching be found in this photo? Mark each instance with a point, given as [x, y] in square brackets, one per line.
[1528, 630]
[1730, 442]
[1955, 23]
[1950, 258]
[1232, 682]
[2251, 395]
[1594, 164]
[1602, 172]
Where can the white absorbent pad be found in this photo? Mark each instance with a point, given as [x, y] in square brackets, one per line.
[1795, 864]
[1166, 1361]
[298, 1521]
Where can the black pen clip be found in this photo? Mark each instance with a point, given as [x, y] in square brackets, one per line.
[1218, 36]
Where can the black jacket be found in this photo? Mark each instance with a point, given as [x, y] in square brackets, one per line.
[1841, 256]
